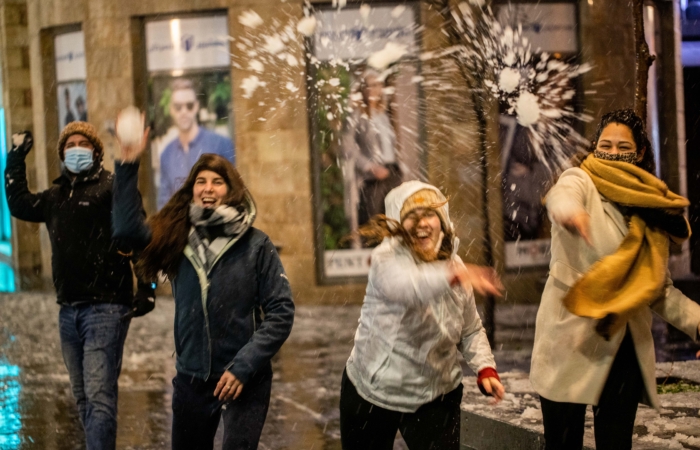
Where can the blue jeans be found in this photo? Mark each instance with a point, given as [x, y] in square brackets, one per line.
[92, 342]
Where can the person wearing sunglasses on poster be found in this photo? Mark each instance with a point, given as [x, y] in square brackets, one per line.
[180, 155]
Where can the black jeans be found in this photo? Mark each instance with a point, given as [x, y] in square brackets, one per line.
[614, 415]
[196, 413]
[365, 426]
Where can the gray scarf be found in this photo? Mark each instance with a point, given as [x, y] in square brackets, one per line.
[212, 229]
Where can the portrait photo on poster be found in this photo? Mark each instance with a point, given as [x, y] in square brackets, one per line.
[72, 103]
[190, 115]
[551, 27]
[365, 109]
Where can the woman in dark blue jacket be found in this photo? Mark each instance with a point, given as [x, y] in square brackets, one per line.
[233, 302]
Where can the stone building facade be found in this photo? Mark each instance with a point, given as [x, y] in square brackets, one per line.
[274, 155]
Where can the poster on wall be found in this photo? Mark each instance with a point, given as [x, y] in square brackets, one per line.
[189, 97]
[69, 51]
[365, 108]
[551, 28]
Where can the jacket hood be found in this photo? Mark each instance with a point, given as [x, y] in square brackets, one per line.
[397, 197]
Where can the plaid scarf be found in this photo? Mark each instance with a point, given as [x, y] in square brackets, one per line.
[213, 229]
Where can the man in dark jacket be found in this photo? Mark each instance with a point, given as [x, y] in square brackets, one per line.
[91, 272]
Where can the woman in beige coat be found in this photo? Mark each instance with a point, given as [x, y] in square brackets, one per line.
[612, 223]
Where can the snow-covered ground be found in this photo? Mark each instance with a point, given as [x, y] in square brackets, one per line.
[304, 406]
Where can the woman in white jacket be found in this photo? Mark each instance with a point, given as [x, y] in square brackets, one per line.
[612, 223]
[418, 315]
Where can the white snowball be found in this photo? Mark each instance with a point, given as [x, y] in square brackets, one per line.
[250, 19]
[256, 66]
[307, 26]
[18, 139]
[334, 82]
[531, 414]
[509, 79]
[391, 53]
[364, 11]
[527, 109]
[130, 126]
[397, 11]
[273, 44]
[250, 84]
[292, 61]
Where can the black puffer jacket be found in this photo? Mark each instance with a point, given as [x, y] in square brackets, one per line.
[88, 265]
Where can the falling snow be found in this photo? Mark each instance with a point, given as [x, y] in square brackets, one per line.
[250, 19]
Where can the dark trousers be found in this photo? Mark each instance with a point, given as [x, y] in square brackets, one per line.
[196, 413]
[373, 192]
[614, 415]
[365, 426]
[92, 343]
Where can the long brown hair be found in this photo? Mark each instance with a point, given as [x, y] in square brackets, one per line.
[171, 225]
[381, 226]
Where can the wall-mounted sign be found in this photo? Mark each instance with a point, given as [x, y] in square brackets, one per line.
[70, 57]
[345, 34]
[366, 127]
[347, 263]
[71, 92]
[690, 51]
[532, 253]
[192, 43]
[550, 27]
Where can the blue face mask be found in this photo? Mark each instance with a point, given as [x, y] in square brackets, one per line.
[78, 159]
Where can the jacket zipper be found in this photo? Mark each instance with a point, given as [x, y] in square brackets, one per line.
[204, 284]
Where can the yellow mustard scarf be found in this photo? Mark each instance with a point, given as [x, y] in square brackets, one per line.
[635, 274]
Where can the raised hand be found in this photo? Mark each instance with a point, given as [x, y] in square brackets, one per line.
[483, 280]
[579, 224]
[22, 142]
[128, 133]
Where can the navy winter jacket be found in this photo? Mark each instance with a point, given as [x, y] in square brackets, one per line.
[219, 322]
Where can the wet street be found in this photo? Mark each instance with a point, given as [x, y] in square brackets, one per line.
[38, 412]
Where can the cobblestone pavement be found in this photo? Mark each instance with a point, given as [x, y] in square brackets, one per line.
[35, 391]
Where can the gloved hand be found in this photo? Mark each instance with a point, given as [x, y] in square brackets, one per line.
[144, 301]
[22, 142]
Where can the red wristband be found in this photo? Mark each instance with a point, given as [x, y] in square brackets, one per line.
[488, 372]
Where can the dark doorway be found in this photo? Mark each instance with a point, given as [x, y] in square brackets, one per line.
[691, 78]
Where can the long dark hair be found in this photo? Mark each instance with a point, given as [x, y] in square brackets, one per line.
[630, 119]
[171, 225]
[381, 226]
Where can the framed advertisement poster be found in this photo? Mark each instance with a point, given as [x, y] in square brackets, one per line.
[69, 49]
[550, 28]
[189, 97]
[366, 127]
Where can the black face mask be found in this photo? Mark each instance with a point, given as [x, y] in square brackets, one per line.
[628, 157]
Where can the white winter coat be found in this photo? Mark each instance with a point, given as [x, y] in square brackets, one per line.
[413, 325]
[570, 361]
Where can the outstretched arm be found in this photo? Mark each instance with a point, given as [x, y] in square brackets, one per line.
[128, 219]
[566, 204]
[23, 204]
